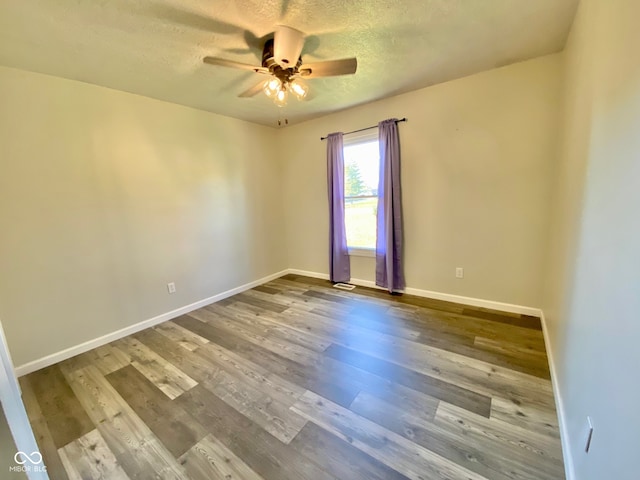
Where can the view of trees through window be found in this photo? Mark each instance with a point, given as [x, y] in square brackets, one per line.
[361, 165]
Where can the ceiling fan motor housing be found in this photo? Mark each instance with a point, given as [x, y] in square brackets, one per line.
[283, 72]
[288, 43]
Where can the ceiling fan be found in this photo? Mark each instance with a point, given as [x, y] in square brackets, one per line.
[281, 60]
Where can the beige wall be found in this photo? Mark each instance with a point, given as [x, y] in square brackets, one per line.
[105, 197]
[593, 298]
[477, 160]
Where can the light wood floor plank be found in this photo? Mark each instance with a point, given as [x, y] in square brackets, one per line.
[379, 318]
[335, 388]
[434, 387]
[268, 327]
[60, 407]
[211, 459]
[492, 459]
[454, 322]
[183, 337]
[402, 455]
[467, 325]
[161, 373]
[89, 458]
[252, 373]
[463, 371]
[537, 449]
[189, 362]
[270, 414]
[41, 431]
[523, 321]
[379, 322]
[260, 303]
[136, 448]
[510, 348]
[260, 450]
[469, 373]
[253, 334]
[110, 358]
[173, 426]
[339, 457]
[523, 414]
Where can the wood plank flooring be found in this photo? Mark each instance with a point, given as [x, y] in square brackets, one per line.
[296, 380]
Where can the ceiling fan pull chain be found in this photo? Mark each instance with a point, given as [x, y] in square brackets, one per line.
[282, 120]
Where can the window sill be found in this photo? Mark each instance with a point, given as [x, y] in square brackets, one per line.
[362, 252]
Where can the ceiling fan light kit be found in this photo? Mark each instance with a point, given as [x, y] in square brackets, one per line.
[299, 88]
[281, 97]
[278, 90]
[281, 58]
[272, 87]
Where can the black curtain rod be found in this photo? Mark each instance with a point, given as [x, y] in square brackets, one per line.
[366, 128]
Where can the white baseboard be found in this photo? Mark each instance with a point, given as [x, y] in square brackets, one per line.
[447, 297]
[476, 302]
[564, 433]
[123, 332]
[305, 273]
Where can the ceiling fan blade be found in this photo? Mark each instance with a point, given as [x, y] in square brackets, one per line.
[230, 63]
[283, 8]
[253, 91]
[191, 19]
[331, 68]
[287, 46]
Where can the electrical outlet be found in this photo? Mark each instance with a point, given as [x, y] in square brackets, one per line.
[459, 272]
[171, 287]
[589, 435]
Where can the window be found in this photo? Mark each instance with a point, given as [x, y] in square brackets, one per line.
[361, 170]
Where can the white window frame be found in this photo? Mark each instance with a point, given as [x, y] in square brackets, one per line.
[354, 139]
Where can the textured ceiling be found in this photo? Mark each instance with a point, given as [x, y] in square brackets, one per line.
[155, 47]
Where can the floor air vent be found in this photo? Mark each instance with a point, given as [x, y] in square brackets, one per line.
[344, 286]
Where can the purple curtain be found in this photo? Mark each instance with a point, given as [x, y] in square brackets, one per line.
[339, 267]
[389, 242]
